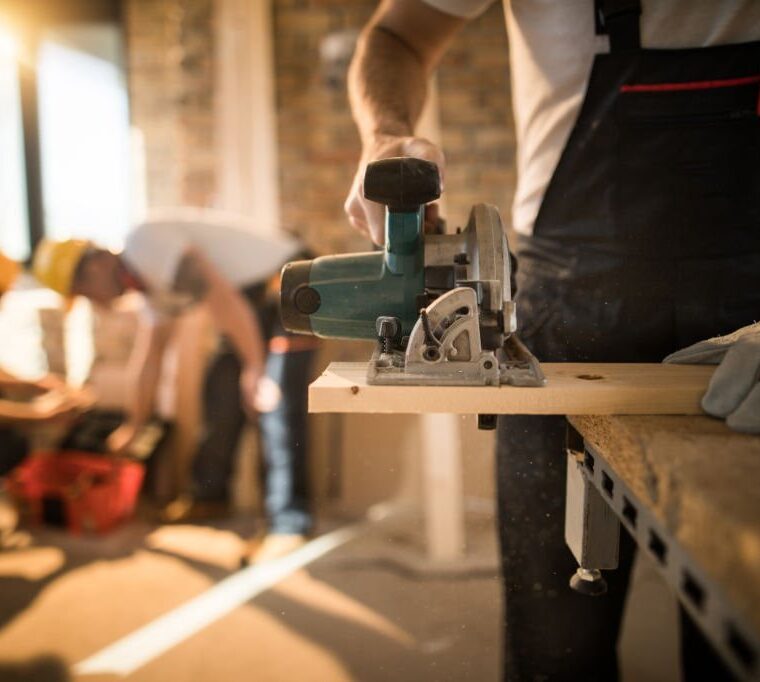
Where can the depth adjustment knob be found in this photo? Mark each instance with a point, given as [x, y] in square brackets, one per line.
[388, 331]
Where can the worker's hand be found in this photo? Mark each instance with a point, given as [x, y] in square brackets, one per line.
[51, 382]
[55, 405]
[369, 217]
[61, 404]
[734, 390]
[120, 440]
[250, 377]
[268, 395]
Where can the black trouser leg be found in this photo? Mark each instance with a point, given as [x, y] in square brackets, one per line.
[551, 632]
[223, 422]
[14, 448]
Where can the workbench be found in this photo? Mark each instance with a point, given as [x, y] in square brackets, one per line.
[686, 487]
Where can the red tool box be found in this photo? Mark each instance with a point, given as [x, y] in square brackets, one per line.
[81, 486]
[80, 491]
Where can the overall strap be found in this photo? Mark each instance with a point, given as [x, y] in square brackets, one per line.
[620, 20]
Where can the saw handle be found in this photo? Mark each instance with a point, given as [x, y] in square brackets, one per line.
[403, 183]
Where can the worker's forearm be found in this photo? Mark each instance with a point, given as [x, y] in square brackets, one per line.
[11, 411]
[145, 371]
[386, 85]
[144, 391]
[235, 319]
[232, 315]
[7, 378]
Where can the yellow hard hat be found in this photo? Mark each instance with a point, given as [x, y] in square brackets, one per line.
[9, 270]
[55, 263]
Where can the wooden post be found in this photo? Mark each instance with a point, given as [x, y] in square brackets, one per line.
[442, 487]
[246, 125]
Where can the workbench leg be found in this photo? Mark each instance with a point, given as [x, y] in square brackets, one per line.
[442, 487]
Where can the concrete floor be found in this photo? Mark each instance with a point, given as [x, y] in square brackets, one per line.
[353, 614]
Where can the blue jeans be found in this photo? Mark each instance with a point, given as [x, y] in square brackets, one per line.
[284, 436]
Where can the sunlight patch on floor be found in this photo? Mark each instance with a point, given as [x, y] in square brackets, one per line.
[199, 543]
[34, 563]
[303, 588]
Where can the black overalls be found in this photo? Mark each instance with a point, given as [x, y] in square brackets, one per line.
[648, 239]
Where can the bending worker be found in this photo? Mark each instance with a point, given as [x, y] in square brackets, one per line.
[638, 213]
[176, 262]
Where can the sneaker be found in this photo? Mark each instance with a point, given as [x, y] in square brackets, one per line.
[186, 509]
[273, 546]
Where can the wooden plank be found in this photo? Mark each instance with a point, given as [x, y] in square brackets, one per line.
[699, 479]
[572, 388]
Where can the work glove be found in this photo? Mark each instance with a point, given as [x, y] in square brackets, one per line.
[734, 390]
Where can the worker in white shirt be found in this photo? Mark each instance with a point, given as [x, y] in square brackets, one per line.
[180, 260]
[637, 209]
[25, 405]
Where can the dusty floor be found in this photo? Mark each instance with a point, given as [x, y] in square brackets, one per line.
[352, 614]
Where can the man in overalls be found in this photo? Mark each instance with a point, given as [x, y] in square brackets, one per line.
[638, 214]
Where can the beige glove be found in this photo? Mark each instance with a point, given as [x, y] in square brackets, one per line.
[734, 390]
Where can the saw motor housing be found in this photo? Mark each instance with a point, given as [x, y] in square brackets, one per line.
[439, 306]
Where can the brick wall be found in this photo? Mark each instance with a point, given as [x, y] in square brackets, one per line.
[171, 86]
[170, 68]
[319, 146]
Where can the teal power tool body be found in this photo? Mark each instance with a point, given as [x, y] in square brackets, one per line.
[439, 306]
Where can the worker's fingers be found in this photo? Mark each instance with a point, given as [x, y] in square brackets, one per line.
[364, 216]
[702, 353]
[733, 380]
[375, 214]
[250, 377]
[268, 395]
[421, 148]
[359, 224]
[371, 222]
[434, 224]
[746, 417]
[711, 351]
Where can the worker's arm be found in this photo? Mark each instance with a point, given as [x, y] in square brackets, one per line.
[396, 53]
[50, 405]
[7, 378]
[44, 399]
[17, 411]
[144, 371]
[234, 318]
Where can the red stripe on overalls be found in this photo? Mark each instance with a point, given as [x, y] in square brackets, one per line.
[695, 85]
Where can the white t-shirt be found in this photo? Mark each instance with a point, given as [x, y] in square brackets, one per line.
[552, 44]
[155, 248]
